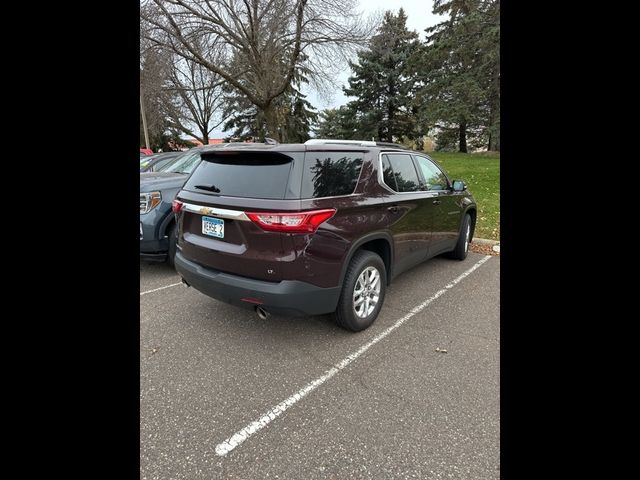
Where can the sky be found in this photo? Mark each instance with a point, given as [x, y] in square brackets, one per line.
[419, 17]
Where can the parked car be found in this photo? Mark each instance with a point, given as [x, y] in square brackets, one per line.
[157, 190]
[316, 228]
[146, 151]
[155, 162]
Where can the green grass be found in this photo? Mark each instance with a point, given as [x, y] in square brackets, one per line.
[481, 173]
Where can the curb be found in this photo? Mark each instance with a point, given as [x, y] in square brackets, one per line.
[484, 241]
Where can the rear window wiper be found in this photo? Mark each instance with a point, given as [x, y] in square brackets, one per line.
[211, 188]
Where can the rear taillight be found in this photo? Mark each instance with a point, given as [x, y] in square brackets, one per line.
[300, 222]
[176, 206]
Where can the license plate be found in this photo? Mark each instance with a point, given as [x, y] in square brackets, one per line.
[214, 227]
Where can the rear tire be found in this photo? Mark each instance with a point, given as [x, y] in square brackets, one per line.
[363, 291]
[462, 246]
[173, 240]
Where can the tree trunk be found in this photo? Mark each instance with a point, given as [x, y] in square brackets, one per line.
[463, 137]
[494, 132]
[494, 109]
[491, 138]
[271, 120]
[494, 141]
[205, 137]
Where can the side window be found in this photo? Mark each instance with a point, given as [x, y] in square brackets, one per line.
[433, 176]
[387, 174]
[404, 172]
[330, 174]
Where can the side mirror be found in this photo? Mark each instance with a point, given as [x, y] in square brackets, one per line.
[459, 186]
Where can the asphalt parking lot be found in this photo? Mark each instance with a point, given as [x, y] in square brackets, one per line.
[397, 408]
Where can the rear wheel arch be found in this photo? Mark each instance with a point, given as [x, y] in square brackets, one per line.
[380, 243]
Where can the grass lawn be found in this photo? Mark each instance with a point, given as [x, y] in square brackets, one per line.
[481, 173]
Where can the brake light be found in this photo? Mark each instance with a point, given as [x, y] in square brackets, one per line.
[300, 222]
[176, 206]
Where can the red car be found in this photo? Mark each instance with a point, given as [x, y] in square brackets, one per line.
[146, 151]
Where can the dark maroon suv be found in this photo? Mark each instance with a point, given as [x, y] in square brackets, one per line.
[315, 228]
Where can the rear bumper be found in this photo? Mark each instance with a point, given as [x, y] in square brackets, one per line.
[288, 297]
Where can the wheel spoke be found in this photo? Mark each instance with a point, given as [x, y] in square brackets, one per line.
[366, 292]
[466, 238]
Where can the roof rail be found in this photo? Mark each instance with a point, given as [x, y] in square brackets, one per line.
[323, 141]
[389, 144]
[363, 143]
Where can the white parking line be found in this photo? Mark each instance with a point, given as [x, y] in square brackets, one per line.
[241, 435]
[160, 288]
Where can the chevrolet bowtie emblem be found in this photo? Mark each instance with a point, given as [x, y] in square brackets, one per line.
[204, 210]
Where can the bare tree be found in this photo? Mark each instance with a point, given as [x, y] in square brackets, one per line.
[155, 67]
[258, 44]
[154, 71]
[196, 99]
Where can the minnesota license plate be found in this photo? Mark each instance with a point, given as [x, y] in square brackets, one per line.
[214, 227]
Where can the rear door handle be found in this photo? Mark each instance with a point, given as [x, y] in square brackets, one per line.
[436, 202]
[393, 209]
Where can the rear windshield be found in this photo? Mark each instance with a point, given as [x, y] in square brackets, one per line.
[329, 174]
[246, 174]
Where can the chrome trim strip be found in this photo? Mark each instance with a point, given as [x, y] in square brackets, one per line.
[216, 212]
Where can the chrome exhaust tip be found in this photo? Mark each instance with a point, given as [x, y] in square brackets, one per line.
[262, 313]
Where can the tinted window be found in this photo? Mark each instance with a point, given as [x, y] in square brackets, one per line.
[247, 174]
[433, 176]
[387, 173]
[328, 174]
[404, 172]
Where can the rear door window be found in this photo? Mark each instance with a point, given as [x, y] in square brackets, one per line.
[330, 174]
[387, 173]
[244, 174]
[404, 172]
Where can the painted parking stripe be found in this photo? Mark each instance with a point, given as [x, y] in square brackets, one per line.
[160, 288]
[241, 435]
